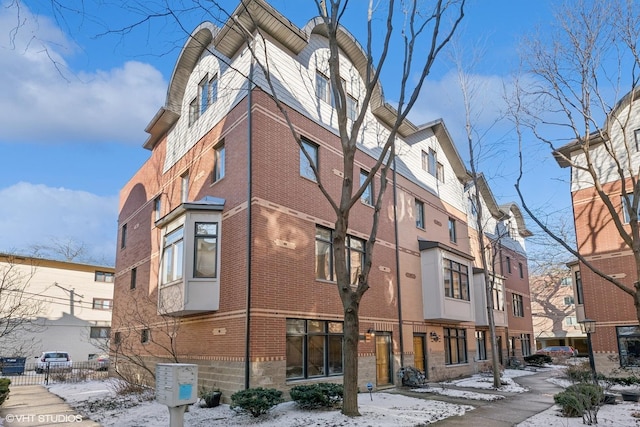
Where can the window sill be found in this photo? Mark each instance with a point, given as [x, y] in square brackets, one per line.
[313, 379]
[217, 181]
[367, 204]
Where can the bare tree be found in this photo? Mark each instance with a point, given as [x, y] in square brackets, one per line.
[425, 30]
[19, 308]
[583, 82]
[470, 89]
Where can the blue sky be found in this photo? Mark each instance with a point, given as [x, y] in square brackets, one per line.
[74, 103]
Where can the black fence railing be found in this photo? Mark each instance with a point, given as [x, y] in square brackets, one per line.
[34, 373]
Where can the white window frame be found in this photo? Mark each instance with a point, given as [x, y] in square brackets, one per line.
[305, 168]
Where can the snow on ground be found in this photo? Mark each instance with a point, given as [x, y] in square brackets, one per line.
[463, 394]
[484, 381]
[624, 414]
[98, 400]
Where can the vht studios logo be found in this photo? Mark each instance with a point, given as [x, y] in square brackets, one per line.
[43, 418]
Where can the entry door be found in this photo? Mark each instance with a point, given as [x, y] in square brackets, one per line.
[383, 359]
[419, 360]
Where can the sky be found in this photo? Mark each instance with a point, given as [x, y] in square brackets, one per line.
[75, 99]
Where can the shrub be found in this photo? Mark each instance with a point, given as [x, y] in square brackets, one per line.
[538, 359]
[579, 373]
[580, 400]
[4, 389]
[210, 397]
[256, 401]
[321, 395]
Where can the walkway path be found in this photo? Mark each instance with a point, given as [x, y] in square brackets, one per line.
[508, 412]
[34, 406]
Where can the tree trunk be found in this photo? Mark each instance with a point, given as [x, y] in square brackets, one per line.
[350, 378]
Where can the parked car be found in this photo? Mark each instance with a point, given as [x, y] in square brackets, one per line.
[53, 360]
[100, 361]
[558, 350]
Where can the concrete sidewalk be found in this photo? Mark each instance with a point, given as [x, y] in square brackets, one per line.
[508, 412]
[34, 405]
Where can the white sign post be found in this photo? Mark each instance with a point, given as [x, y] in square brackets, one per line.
[176, 387]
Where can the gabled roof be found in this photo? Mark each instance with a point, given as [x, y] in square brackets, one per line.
[594, 138]
[228, 40]
[517, 214]
[487, 195]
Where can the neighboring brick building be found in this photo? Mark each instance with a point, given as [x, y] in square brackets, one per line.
[225, 248]
[615, 158]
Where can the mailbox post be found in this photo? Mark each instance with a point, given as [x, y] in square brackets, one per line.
[176, 387]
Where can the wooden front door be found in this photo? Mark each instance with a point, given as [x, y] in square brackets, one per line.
[383, 359]
[419, 359]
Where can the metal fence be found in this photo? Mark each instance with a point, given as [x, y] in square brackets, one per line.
[27, 374]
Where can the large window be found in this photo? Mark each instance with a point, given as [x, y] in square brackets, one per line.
[123, 236]
[218, 162]
[103, 276]
[419, 214]
[184, 187]
[322, 87]
[628, 345]
[579, 287]
[453, 235]
[432, 162]
[206, 249]
[456, 280]
[102, 304]
[172, 255]
[455, 346]
[194, 111]
[481, 345]
[440, 172]
[521, 270]
[518, 306]
[157, 208]
[305, 166]
[625, 211]
[497, 293]
[324, 255]
[525, 339]
[134, 278]
[207, 92]
[352, 107]
[314, 348]
[367, 194]
[99, 332]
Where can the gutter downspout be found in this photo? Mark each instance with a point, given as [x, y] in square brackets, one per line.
[395, 225]
[247, 353]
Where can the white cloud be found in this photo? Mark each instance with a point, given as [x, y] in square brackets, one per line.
[35, 214]
[43, 100]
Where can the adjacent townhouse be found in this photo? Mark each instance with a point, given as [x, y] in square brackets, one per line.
[613, 152]
[553, 307]
[225, 242]
[69, 305]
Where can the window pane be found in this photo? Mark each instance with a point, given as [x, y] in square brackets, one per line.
[206, 257]
[323, 261]
[315, 357]
[295, 356]
[207, 228]
[335, 327]
[218, 165]
[295, 326]
[355, 263]
[335, 355]
[315, 326]
[305, 166]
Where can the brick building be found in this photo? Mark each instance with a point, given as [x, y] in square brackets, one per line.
[613, 154]
[225, 241]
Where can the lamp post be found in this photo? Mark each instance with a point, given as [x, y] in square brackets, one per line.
[588, 326]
